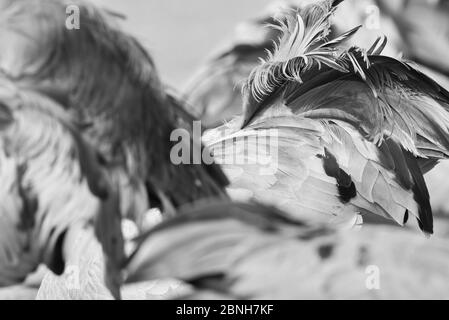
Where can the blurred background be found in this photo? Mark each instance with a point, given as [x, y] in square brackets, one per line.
[181, 34]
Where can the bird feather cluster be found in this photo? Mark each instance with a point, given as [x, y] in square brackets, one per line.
[303, 43]
[52, 180]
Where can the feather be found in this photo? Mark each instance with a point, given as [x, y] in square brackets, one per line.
[378, 46]
[346, 187]
[108, 82]
[82, 69]
[400, 165]
[237, 217]
[406, 103]
[221, 252]
[61, 184]
[109, 233]
[296, 52]
[421, 194]
[370, 113]
[46, 191]
[5, 116]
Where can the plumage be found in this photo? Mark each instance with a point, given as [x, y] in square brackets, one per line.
[385, 122]
[48, 172]
[352, 131]
[84, 276]
[213, 92]
[345, 185]
[110, 85]
[226, 250]
[422, 27]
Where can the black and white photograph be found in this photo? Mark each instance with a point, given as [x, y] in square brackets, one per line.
[225, 150]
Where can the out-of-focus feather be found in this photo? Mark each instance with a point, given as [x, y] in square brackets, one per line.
[5, 117]
[238, 217]
[224, 251]
[84, 276]
[110, 84]
[44, 189]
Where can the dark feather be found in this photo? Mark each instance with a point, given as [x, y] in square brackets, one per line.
[400, 164]
[234, 258]
[421, 194]
[264, 217]
[346, 187]
[44, 191]
[5, 116]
